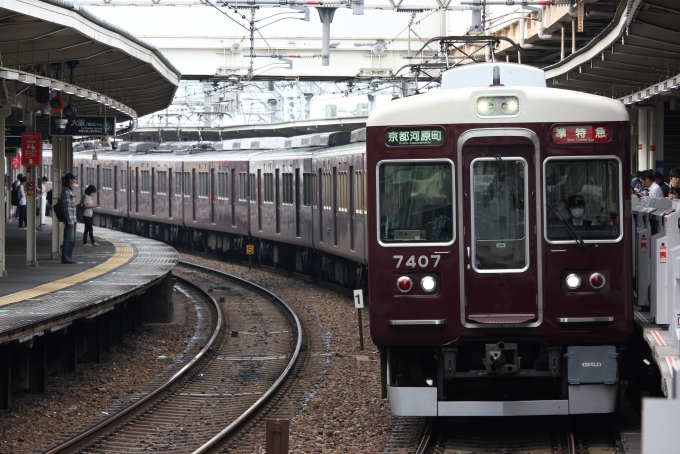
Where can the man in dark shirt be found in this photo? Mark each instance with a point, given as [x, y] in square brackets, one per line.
[658, 177]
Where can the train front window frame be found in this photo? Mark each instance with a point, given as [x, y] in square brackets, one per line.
[440, 212]
[589, 191]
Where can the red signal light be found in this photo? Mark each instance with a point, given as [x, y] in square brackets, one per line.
[596, 280]
[404, 284]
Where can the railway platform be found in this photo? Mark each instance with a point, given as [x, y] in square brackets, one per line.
[55, 315]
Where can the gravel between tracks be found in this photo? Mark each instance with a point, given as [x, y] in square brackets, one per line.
[347, 414]
[73, 398]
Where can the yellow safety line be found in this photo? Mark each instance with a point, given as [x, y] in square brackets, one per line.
[124, 253]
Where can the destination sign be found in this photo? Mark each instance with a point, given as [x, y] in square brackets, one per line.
[82, 126]
[405, 137]
[581, 134]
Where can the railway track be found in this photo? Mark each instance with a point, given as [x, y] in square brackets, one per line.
[237, 369]
[587, 434]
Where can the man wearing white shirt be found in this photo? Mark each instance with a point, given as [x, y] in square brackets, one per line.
[647, 179]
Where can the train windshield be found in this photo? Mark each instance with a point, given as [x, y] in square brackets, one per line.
[416, 202]
[499, 190]
[582, 198]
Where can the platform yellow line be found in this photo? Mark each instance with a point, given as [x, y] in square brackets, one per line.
[124, 253]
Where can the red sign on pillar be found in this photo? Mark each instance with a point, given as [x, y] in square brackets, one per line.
[16, 161]
[31, 149]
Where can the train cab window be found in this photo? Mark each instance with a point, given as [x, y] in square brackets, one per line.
[499, 215]
[416, 202]
[583, 199]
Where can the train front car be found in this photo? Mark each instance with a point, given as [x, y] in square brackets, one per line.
[499, 258]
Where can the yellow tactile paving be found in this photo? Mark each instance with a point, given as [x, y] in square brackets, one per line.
[124, 253]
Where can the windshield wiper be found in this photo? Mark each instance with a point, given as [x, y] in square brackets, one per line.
[569, 227]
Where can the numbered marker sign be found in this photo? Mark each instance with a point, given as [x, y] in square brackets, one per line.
[358, 299]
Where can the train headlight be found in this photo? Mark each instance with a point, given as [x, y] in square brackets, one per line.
[404, 284]
[428, 284]
[573, 281]
[485, 106]
[510, 105]
[597, 280]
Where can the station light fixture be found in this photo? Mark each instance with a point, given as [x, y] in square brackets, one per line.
[404, 284]
[573, 281]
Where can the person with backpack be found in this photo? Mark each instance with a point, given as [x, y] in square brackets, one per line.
[68, 207]
[21, 209]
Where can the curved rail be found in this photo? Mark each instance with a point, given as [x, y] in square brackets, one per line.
[231, 427]
[427, 435]
[102, 426]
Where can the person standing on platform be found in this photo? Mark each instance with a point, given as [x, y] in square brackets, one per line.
[647, 179]
[43, 200]
[21, 209]
[658, 179]
[88, 211]
[68, 205]
[674, 177]
[15, 185]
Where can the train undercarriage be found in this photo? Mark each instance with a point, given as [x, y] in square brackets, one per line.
[498, 378]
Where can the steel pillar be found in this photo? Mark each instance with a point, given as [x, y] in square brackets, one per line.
[326, 16]
[69, 350]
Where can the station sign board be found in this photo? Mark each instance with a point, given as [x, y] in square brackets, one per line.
[577, 134]
[13, 136]
[31, 149]
[82, 126]
[16, 161]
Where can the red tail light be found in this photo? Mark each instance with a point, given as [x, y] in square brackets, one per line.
[404, 284]
[597, 280]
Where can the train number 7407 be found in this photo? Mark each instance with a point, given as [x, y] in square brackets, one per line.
[422, 261]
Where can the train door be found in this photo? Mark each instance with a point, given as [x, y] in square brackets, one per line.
[153, 191]
[297, 203]
[232, 194]
[98, 184]
[500, 276]
[334, 206]
[277, 202]
[170, 190]
[194, 195]
[136, 189]
[115, 188]
[210, 194]
[351, 207]
[259, 200]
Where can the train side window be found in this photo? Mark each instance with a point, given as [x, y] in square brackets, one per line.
[415, 202]
[327, 182]
[178, 184]
[146, 185]
[162, 184]
[203, 185]
[582, 195]
[242, 187]
[123, 180]
[253, 191]
[287, 188]
[307, 189]
[187, 184]
[342, 191]
[268, 187]
[359, 192]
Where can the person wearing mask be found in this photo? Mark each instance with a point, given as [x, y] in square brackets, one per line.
[88, 211]
[21, 209]
[577, 205]
[43, 200]
[658, 179]
[647, 179]
[68, 205]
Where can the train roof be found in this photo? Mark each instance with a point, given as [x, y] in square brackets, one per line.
[357, 147]
[459, 106]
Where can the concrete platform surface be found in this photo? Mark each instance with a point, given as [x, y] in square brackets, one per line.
[34, 300]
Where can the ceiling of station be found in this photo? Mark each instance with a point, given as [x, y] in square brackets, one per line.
[70, 47]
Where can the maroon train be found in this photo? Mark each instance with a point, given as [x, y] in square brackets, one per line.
[492, 213]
